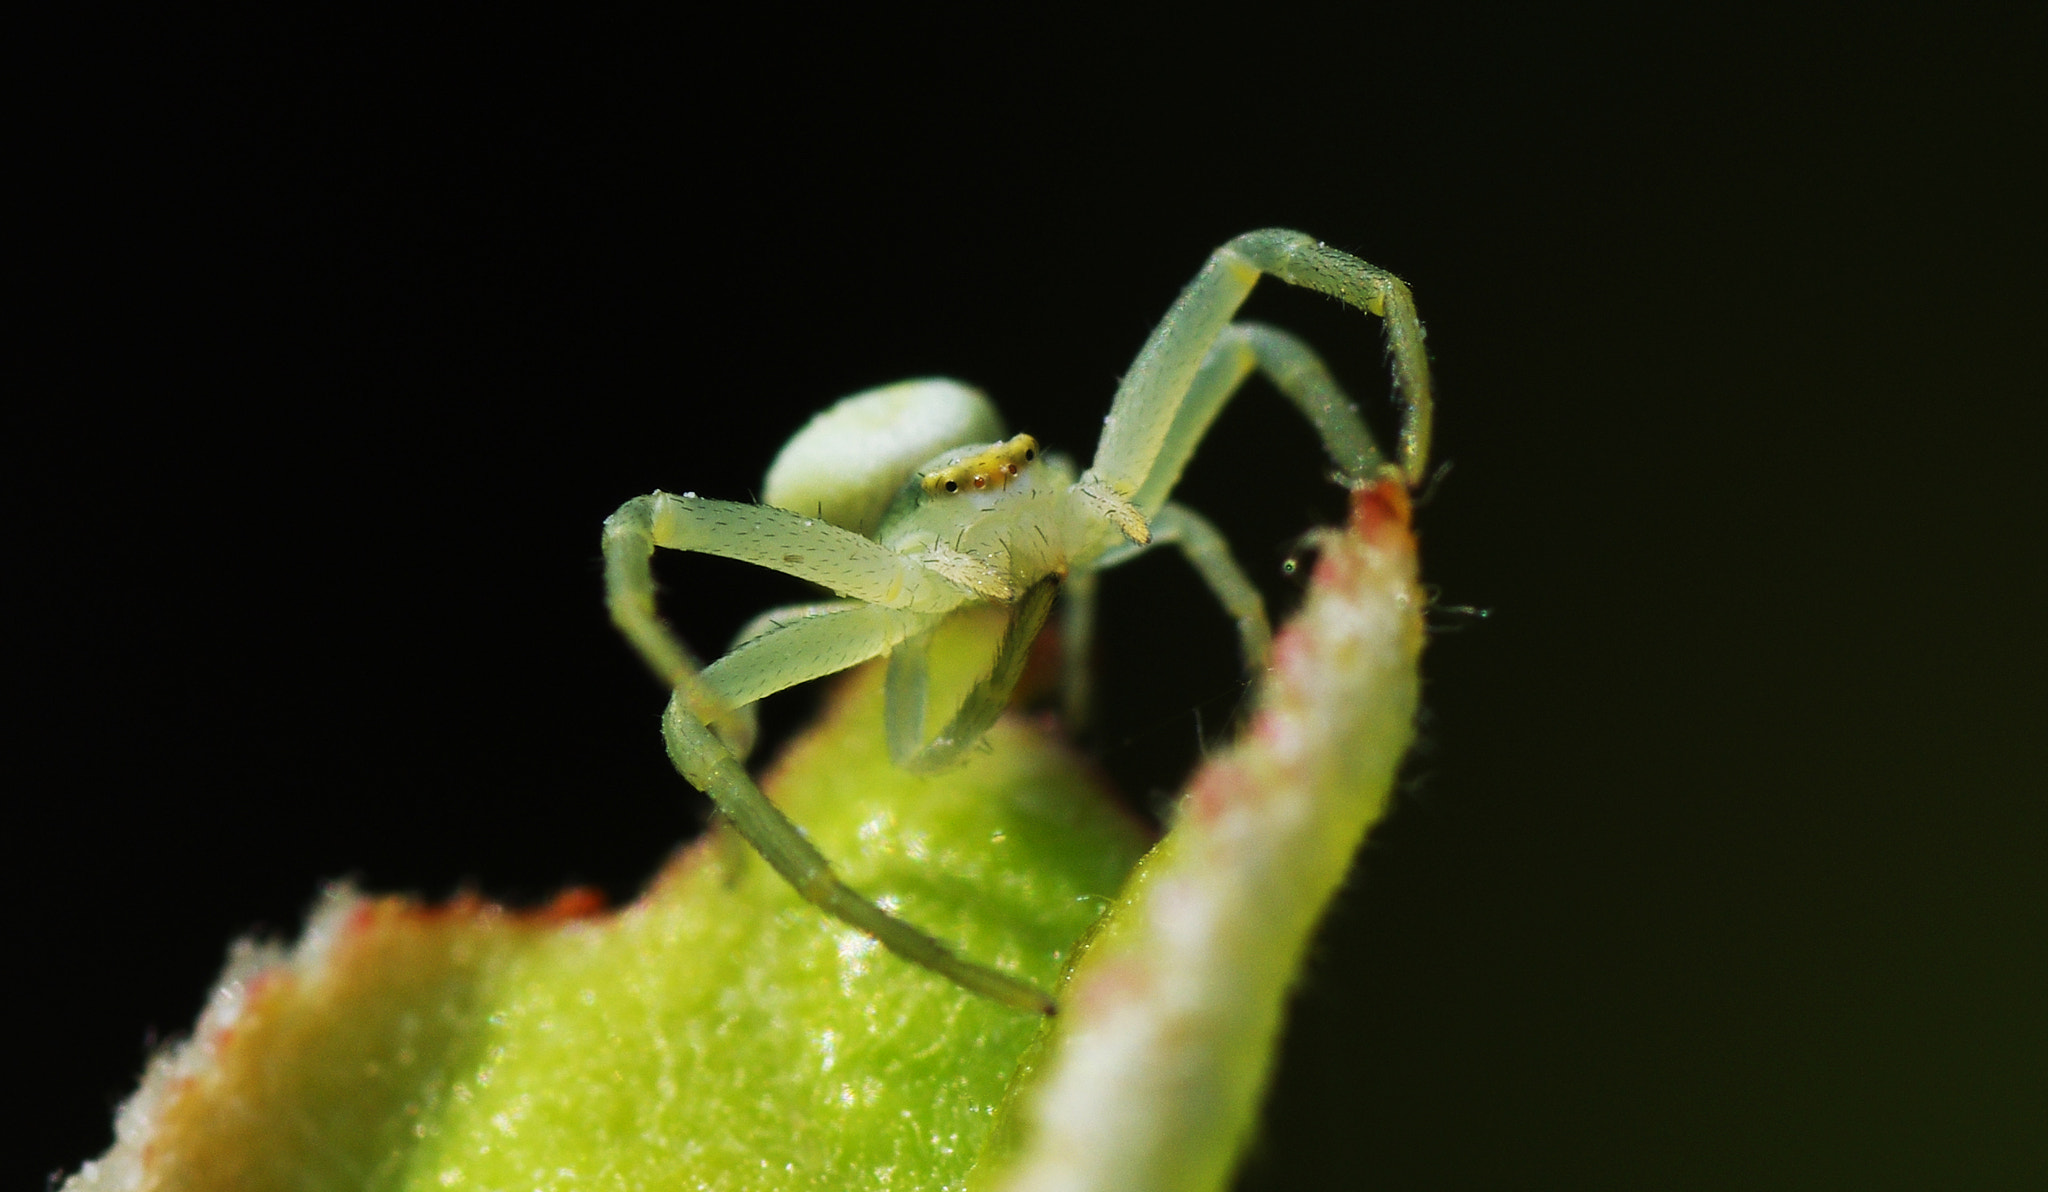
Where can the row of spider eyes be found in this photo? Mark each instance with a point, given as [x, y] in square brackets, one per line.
[1004, 459]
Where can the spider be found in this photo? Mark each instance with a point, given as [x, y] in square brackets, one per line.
[910, 504]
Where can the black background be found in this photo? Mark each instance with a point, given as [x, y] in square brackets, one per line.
[1721, 864]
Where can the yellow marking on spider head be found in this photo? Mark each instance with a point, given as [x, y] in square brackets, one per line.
[984, 471]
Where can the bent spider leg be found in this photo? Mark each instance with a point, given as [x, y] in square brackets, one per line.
[985, 703]
[774, 538]
[705, 762]
[1147, 405]
[780, 615]
[629, 542]
[766, 622]
[777, 539]
[1206, 550]
[824, 641]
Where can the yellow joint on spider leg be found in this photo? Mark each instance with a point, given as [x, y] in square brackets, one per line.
[993, 468]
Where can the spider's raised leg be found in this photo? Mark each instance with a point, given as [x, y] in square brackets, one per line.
[708, 765]
[1146, 413]
[805, 642]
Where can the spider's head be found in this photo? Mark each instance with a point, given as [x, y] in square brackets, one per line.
[979, 488]
[991, 469]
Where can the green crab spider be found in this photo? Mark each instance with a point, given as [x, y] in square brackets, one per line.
[910, 505]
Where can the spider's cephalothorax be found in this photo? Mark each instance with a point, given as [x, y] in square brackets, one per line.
[993, 503]
[909, 504]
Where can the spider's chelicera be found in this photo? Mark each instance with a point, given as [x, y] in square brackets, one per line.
[910, 505]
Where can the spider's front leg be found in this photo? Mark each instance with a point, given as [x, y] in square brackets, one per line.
[892, 596]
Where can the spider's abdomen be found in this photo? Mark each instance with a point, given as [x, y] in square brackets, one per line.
[849, 462]
[956, 490]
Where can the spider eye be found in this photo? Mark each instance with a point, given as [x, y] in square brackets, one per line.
[952, 486]
[981, 482]
[1029, 455]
